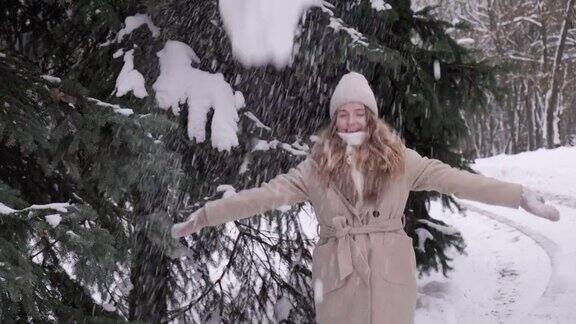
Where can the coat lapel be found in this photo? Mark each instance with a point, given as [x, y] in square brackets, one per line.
[344, 189]
[348, 198]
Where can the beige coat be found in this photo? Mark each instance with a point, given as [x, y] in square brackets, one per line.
[364, 266]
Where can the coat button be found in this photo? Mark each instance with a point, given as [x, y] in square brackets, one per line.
[375, 213]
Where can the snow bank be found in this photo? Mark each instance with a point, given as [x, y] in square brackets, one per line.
[498, 280]
[180, 83]
[518, 268]
[262, 31]
[548, 171]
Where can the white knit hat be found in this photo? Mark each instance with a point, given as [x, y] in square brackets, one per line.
[353, 87]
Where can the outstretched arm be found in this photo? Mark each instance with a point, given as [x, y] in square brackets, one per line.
[425, 174]
[285, 189]
[431, 174]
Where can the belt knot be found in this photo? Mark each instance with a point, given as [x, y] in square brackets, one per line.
[350, 255]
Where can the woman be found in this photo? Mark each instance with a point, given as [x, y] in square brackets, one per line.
[358, 178]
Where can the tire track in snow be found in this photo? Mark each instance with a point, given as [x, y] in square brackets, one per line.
[500, 289]
[507, 293]
[556, 287]
[565, 200]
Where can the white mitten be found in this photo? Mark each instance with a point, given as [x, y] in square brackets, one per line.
[195, 223]
[534, 203]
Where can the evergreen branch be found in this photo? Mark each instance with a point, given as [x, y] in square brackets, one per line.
[211, 287]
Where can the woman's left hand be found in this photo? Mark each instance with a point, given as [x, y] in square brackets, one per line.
[534, 203]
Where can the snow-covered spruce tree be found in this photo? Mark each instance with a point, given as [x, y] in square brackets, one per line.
[423, 79]
[59, 146]
[106, 166]
[259, 268]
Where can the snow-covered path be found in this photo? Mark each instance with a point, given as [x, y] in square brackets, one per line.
[492, 283]
[519, 268]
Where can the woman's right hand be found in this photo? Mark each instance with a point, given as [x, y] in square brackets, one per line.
[194, 224]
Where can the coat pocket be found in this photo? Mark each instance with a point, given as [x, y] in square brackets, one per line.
[397, 261]
[325, 275]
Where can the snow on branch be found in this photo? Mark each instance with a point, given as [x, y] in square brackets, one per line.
[61, 207]
[337, 24]
[256, 121]
[51, 78]
[54, 219]
[444, 229]
[380, 5]
[180, 83]
[228, 190]
[295, 148]
[132, 23]
[130, 79]
[531, 19]
[116, 108]
[6, 210]
[423, 235]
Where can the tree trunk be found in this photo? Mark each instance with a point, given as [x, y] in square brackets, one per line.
[531, 145]
[149, 275]
[512, 103]
[552, 94]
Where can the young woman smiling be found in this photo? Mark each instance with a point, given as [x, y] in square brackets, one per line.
[357, 178]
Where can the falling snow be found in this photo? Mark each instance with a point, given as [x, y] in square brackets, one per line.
[262, 31]
[437, 71]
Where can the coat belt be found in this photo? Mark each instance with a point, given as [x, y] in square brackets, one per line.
[350, 254]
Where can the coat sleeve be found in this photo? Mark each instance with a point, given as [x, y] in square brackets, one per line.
[285, 189]
[425, 174]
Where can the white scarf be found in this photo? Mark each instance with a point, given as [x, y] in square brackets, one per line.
[353, 140]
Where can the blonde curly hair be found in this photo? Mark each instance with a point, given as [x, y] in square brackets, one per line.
[380, 158]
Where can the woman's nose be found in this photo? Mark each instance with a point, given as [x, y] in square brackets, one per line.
[351, 122]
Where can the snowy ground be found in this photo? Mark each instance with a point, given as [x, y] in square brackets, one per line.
[518, 268]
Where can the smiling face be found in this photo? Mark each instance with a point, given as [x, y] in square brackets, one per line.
[351, 117]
